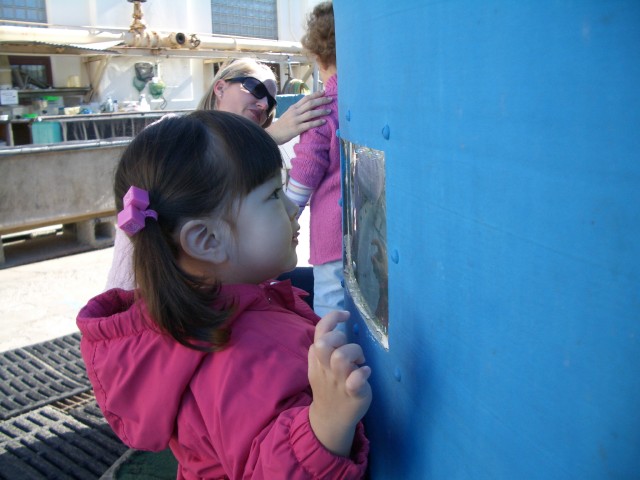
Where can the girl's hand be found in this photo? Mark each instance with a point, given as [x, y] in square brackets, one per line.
[300, 117]
[341, 392]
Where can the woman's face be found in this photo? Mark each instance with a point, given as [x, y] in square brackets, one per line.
[233, 97]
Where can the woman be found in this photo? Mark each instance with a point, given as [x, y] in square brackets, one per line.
[246, 87]
[231, 92]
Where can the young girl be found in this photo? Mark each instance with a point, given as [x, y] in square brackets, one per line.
[231, 370]
[315, 171]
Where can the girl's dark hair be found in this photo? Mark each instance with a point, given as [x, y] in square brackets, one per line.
[192, 166]
[320, 36]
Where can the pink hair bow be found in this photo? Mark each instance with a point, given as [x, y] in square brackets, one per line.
[132, 217]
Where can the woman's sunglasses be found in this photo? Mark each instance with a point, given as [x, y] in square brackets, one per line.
[256, 88]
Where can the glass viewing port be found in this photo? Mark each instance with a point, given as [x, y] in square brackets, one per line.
[365, 235]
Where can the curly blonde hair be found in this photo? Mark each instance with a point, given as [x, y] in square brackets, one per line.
[320, 37]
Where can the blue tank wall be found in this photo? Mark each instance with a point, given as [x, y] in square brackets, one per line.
[513, 220]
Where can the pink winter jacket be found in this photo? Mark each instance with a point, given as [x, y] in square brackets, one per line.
[239, 413]
[316, 165]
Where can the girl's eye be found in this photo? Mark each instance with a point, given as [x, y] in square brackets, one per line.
[276, 193]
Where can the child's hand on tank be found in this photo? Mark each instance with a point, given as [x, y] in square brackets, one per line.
[341, 391]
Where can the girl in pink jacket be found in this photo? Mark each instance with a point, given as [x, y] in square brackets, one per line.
[232, 371]
[314, 177]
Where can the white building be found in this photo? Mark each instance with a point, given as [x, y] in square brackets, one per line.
[221, 28]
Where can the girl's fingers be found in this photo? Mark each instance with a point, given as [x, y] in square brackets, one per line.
[357, 384]
[347, 357]
[326, 345]
[333, 353]
[329, 322]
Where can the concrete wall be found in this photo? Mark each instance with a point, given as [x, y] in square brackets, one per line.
[57, 185]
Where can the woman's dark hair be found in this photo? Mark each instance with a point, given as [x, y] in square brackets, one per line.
[192, 166]
[320, 36]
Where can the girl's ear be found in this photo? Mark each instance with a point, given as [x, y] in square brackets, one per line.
[205, 239]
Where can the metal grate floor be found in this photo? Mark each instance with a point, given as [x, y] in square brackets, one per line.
[51, 426]
[37, 375]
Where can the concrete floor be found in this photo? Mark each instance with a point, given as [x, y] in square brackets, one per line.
[39, 299]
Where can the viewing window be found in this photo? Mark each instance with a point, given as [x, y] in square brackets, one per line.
[365, 235]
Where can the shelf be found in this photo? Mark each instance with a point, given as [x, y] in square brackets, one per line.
[45, 92]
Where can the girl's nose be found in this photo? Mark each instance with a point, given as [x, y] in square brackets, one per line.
[296, 212]
[291, 207]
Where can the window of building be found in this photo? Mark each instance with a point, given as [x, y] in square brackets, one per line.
[247, 18]
[24, 10]
[31, 71]
[365, 232]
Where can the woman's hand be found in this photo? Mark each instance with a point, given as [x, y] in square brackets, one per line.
[341, 391]
[300, 117]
